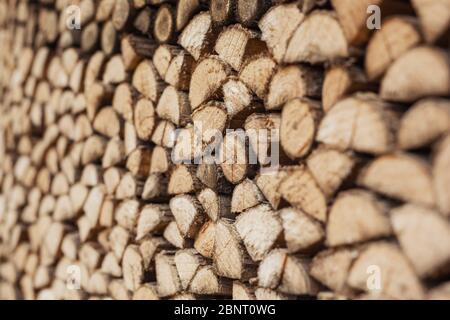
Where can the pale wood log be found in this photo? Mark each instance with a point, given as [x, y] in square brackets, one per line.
[259, 228]
[398, 280]
[173, 105]
[234, 157]
[183, 180]
[362, 123]
[419, 229]
[434, 18]
[173, 235]
[235, 44]
[155, 187]
[146, 292]
[206, 80]
[441, 176]
[166, 273]
[188, 262]
[127, 213]
[400, 176]
[341, 81]
[204, 242]
[123, 14]
[423, 123]
[164, 24]
[286, 85]
[330, 168]
[146, 80]
[206, 282]
[300, 189]
[238, 98]
[114, 71]
[143, 21]
[256, 74]
[162, 58]
[332, 267]
[406, 81]
[118, 238]
[278, 25]
[179, 71]
[327, 44]
[242, 292]
[216, 206]
[114, 153]
[299, 122]
[286, 273]
[301, 232]
[128, 187]
[230, 258]
[387, 40]
[118, 290]
[188, 214]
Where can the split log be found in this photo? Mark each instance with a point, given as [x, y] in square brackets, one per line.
[222, 11]
[423, 123]
[245, 195]
[235, 44]
[398, 280]
[174, 106]
[188, 214]
[441, 176]
[332, 267]
[164, 24]
[207, 79]
[259, 228]
[278, 25]
[166, 272]
[327, 44]
[301, 190]
[256, 74]
[434, 18]
[362, 123]
[132, 268]
[330, 168]
[341, 81]
[301, 232]
[286, 273]
[146, 80]
[285, 85]
[299, 121]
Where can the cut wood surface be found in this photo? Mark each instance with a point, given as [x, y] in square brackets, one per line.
[245, 149]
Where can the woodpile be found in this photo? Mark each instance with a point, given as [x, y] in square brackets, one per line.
[105, 191]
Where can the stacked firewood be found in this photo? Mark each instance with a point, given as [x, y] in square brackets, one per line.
[105, 191]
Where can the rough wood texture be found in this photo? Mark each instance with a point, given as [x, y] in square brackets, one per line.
[246, 149]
